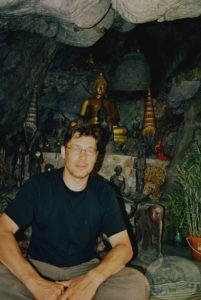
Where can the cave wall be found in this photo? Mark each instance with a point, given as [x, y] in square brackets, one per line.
[161, 57]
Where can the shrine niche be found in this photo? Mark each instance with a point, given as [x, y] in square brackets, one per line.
[100, 110]
[130, 162]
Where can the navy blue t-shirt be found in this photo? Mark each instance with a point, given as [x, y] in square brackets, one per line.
[65, 224]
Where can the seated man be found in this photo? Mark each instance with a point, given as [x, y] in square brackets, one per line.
[68, 208]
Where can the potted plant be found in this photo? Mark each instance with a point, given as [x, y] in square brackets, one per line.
[189, 180]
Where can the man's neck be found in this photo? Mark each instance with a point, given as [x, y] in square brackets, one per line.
[73, 183]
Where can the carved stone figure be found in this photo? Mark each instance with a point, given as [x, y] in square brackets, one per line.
[117, 179]
[149, 225]
[60, 127]
[140, 166]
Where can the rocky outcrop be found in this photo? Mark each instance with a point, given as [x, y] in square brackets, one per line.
[24, 66]
[82, 23]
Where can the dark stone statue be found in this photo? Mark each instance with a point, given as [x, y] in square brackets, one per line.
[117, 179]
[140, 166]
[149, 226]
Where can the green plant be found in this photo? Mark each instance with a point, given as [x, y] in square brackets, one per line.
[189, 180]
[178, 214]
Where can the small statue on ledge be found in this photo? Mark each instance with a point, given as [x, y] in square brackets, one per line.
[149, 226]
[159, 149]
[140, 166]
[117, 179]
[149, 216]
[100, 110]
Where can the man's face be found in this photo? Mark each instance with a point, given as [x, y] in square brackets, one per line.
[80, 155]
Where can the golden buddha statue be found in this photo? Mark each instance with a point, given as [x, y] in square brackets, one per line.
[100, 110]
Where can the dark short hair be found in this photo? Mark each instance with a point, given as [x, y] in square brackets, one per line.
[99, 133]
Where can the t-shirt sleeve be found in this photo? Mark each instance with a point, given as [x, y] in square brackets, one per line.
[112, 218]
[21, 209]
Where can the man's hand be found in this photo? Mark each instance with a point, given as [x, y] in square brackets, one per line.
[84, 287]
[81, 288]
[44, 289]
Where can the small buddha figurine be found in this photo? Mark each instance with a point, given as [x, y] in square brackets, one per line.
[100, 110]
[117, 179]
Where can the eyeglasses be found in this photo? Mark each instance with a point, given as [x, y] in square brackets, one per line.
[76, 149]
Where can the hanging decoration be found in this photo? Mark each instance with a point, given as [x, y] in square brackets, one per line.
[149, 127]
[30, 123]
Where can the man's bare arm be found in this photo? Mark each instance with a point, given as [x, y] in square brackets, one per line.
[117, 257]
[12, 258]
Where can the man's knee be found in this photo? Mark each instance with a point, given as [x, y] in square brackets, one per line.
[136, 283]
[10, 287]
[127, 284]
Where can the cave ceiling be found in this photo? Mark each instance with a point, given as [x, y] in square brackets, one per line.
[167, 32]
[40, 36]
[82, 23]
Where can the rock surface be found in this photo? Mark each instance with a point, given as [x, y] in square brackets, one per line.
[82, 23]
